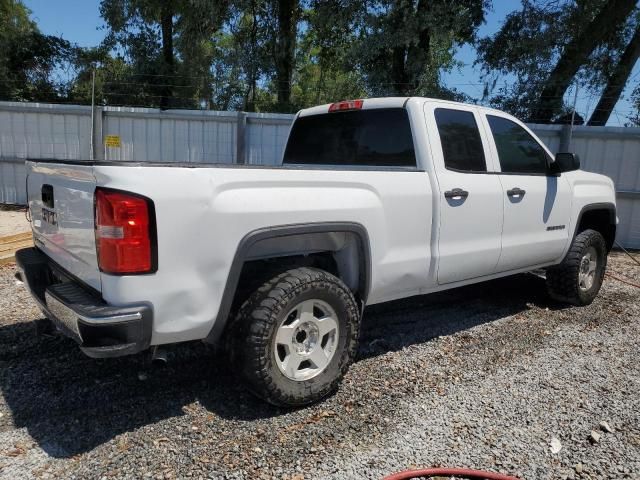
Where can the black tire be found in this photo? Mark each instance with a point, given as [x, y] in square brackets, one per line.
[563, 280]
[250, 339]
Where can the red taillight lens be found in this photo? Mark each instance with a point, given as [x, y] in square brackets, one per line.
[123, 232]
[346, 105]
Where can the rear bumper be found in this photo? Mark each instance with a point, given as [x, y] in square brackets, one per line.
[100, 329]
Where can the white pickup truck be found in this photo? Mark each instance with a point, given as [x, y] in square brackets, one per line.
[375, 200]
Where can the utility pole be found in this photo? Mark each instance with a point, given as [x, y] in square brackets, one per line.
[573, 116]
[566, 133]
[93, 113]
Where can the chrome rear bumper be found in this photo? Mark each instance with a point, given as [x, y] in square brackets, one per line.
[101, 330]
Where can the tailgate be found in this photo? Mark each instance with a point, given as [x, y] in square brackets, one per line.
[60, 199]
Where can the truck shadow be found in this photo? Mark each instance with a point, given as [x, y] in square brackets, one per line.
[394, 325]
[70, 404]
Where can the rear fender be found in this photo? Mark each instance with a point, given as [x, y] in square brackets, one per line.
[353, 259]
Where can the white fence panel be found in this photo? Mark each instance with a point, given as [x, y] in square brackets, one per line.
[615, 152]
[628, 210]
[36, 130]
[612, 151]
[549, 134]
[147, 135]
[13, 181]
[265, 137]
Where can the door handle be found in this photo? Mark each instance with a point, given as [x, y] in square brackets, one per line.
[456, 193]
[516, 192]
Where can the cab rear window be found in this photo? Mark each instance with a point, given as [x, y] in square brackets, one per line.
[377, 138]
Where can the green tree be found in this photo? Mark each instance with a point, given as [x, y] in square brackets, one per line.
[28, 58]
[404, 45]
[113, 79]
[285, 33]
[576, 53]
[168, 43]
[549, 44]
[325, 70]
[282, 70]
[243, 58]
[634, 118]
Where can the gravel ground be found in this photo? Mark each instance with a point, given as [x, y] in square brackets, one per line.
[494, 376]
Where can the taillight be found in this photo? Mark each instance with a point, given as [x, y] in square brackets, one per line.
[125, 233]
[346, 105]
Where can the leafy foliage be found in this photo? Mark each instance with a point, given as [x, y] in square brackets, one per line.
[534, 41]
[27, 57]
[168, 47]
[634, 119]
[404, 45]
[283, 55]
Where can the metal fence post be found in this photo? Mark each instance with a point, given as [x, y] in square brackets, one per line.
[98, 141]
[567, 130]
[565, 138]
[241, 152]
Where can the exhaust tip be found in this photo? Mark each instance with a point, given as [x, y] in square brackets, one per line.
[158, 357]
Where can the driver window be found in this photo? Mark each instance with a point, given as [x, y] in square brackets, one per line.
[518, 151]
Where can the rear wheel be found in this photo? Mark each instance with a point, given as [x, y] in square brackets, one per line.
[295, 337]
[578, 278]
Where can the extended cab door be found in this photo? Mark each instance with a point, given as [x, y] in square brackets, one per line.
[537, 205]
[470, 197]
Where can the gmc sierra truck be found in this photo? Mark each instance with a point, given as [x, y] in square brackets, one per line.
[374, 200]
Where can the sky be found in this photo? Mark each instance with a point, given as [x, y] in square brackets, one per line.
[75, 20]
[79, 22]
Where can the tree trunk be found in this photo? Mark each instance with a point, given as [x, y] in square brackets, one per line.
[616, 82]
[398, 71]
[399, 78]
[252, 70]
[320, 83]
[166, 25]
[575, 55]
[418, 55]
[408, 61]
[285, 50]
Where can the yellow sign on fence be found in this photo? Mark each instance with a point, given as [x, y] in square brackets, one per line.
[112, 141]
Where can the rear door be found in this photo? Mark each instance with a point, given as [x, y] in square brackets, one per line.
[61, 205]
[537, 205]
[470, 212]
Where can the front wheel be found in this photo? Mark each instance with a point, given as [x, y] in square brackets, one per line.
[578, 278]
[295, 337]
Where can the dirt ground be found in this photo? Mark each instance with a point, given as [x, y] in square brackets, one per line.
[13, 220]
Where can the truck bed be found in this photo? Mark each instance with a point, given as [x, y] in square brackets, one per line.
[204, 208]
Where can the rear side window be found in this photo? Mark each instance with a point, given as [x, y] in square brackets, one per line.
[360, 137]
[460, 139]
[517, 150]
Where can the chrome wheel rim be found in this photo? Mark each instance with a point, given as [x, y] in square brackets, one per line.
[306, 340]
[588, 267]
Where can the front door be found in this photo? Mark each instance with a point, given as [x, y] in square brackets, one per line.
[537, 206]
[470, 203]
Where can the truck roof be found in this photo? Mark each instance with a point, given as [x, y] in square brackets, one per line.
[384, 102]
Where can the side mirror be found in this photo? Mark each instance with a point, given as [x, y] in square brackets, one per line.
[565, 162]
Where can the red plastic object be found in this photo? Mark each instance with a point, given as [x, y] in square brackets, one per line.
[455, 472]
[123, 233]
[346, 105]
